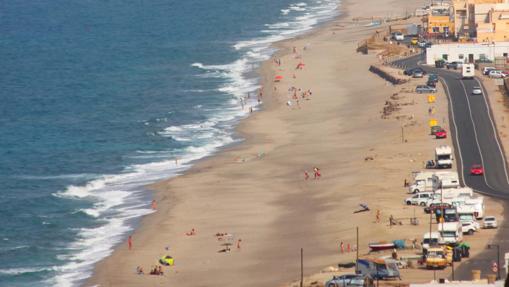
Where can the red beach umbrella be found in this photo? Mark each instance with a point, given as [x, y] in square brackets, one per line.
[278, 78]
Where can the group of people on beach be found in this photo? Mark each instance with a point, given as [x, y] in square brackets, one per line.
[155, 270]
[317, 174]
[227, 238]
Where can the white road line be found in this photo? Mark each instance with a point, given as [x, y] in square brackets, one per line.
[502, 156]
[475, 132]
[455, 127]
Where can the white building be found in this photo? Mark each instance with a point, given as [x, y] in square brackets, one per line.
[466, 52]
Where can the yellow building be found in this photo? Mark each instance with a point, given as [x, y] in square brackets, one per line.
[439, 21]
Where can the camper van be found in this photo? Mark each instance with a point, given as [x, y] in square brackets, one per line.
[468, 71]
[444, 180]
[443, 156]
[452, 193]
[467, 215]
[450, 232]
[422, 182]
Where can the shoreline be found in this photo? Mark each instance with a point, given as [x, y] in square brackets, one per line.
[300, 211]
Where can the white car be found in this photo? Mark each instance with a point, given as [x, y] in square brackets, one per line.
[398, 36]
[477, 91]
[468, 227]
[490, 222]
[419, 199]
[496, 74]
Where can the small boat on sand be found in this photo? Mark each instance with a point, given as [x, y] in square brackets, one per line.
[378, 246]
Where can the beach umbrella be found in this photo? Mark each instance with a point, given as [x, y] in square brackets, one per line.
[278, 78]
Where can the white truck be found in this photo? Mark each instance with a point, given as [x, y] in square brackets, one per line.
[444, 180]
[443, 156]
[430, 239]
[468, 71]
[450, 232]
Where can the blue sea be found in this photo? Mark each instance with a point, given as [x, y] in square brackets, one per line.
[98, 98]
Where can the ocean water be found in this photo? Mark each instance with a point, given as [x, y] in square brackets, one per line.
[99, 97]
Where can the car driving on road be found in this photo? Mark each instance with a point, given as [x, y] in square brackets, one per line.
[476, 169]
[476, 91]
[421, 89]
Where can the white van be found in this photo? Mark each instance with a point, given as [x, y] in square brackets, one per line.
[451, 193]
[448, 179]
[430, 240]
[477, 203]
[468, 71]
[422, 182]
[419, 198]
[450, 232]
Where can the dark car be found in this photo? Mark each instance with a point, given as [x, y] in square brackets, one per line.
[433, 77]
[411, 71]
[430, 83]
[454, 65]
[434, 206]
[421, 89]
[439, 63]
[435, 129]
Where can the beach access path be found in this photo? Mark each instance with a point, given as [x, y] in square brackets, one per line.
[257, 191]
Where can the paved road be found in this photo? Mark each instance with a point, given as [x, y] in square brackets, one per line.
[476, 142]
[473, 130]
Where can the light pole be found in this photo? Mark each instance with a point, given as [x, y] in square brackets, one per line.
[490, 246]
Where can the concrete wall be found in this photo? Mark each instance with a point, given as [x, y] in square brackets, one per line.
[455, 50]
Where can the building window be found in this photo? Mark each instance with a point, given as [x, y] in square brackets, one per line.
[482, 56]
[461, 56]
[445, 57]
[505, 55]
[436, 29]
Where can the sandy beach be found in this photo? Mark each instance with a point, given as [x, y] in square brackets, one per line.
[257, 192]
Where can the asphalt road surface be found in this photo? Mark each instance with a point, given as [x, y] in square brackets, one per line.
[476, 142]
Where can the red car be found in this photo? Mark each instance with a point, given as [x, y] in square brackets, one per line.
[441, 134]
[476, 169]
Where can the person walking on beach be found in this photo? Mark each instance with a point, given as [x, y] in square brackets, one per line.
[342, 247]
[238, 243]
[130, 242]
[306, 175]
[317, 173]
[154, 204]
[378, 216]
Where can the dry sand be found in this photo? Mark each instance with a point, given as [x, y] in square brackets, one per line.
[256, 190]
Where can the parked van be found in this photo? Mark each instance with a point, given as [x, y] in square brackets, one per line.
[451, 193]
[419, 198]
[422, 182]
[430, 240]
[443, 156]
[443, 180]
[450, 232]
[477, 203]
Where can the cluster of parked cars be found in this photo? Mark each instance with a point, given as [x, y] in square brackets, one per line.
[494, 73]
[412, 40]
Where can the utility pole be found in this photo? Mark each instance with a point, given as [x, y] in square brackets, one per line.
[357, 252]
[301, 267]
